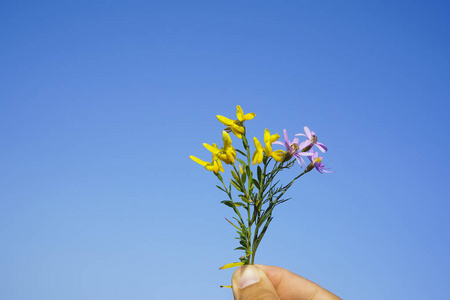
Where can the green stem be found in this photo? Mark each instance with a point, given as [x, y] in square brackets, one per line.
[249, 180]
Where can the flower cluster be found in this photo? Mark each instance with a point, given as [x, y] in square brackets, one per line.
[258, 191]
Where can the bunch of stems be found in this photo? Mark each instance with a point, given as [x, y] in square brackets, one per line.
[259, 195]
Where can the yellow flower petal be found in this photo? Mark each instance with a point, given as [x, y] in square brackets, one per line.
[198, 160]
[257, 157]
[257, 144]
[249, 116]
[241, 117]
[274, 137]
[278, 155]
[213, 148]
[240, 113]
[266, 135]
[225, 120]
[236, 133]
[232, 265]
[219, 163]
[226, 139]
[268, 149]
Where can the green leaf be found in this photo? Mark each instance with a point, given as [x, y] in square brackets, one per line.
[241, 152]
[244, 199]
[235, 176]
[241, 162]
[239, 222]
[220, 188]
[256, 183]
[227, 203]
[230, 203]
[259, 174]
[239, 248]
[248, 171]
[244, 177]
[232, 224]
[267, 214]
[236, 185]
[219, 176]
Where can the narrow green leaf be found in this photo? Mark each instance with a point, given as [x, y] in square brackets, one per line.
[239, 222]
[267, 214]
[256, 183]
[220, 188]
[244, 199]
[232, 224]
[241, 162]
[248, 171]
[236, 185]
[235, 176]
[259, 174]
[241, 152]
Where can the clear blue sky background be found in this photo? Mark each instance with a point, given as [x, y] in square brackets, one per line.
[102, 102]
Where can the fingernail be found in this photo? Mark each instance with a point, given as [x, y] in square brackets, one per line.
[249, 276]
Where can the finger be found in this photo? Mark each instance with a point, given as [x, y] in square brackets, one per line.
[290, 286]
[251, 283]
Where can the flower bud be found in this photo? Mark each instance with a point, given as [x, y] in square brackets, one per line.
[309, 167]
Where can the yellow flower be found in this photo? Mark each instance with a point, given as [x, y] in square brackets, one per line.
[230, 153]
[227, 154]
[258, 155]
[278, 155]
[241, 117]
[236, 126]
[268, 140]
[216, 164]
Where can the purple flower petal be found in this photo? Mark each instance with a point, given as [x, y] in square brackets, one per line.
[286, 138]
[321, 147]
[308, 133]
[295, 141]
[279, 143]
[305, 153]
[300, 134]
[304, 144]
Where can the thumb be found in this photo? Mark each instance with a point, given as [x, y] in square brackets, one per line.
[251, 283]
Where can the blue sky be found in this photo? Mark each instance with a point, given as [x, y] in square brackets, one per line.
[102, 102]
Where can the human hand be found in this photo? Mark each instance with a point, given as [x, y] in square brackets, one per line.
[260, 282]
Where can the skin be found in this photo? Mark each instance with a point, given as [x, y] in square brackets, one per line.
[277, 283]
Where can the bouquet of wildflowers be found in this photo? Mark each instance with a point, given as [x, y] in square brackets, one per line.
[253, 193]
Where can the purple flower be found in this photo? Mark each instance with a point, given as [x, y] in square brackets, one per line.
[311, 141]
[293, 149]
[316, 162]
